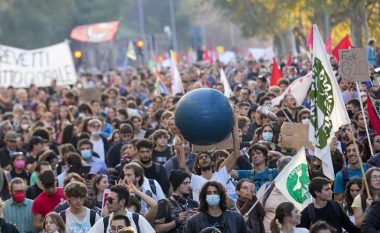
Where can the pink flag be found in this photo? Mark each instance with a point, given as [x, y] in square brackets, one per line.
[309, 42]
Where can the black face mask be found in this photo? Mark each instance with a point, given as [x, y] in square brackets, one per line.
[350, 114]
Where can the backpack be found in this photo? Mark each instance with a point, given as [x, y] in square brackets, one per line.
[269, 179]
[334, 204]
[92, 216]
[346, 179]
[152, 186]
[135, 218]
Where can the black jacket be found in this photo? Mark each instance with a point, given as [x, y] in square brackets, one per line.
[371, 222]
[7, 227]
[232, 222]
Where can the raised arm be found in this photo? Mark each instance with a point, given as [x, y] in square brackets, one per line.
[180, 153]
[233, 157]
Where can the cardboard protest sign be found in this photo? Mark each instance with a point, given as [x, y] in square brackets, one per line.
[354, 64]
[90, 94]
[20, 68]
[295, 135]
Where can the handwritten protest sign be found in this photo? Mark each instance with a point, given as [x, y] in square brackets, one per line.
[295, 135]
[353, 64]
[20, 68]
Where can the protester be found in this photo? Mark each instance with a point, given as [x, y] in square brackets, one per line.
[286, 218]
[324, 208]
[78, 218]
[117, 201]
[362, 201]
[18, 208]
[213, 212]
[353, 189]
[174, 211]
[54, 223]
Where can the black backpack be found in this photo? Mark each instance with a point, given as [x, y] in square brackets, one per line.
[92, 216]
[152, 186]
[135, 218]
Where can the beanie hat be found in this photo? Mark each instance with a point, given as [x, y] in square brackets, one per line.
[177, 177]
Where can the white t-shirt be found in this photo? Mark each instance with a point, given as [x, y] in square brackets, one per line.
[144, 225]
[197, 182]
[76, 225]
[145, 188]
[99, 148]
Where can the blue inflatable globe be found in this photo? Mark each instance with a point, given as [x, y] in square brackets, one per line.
[204, 116]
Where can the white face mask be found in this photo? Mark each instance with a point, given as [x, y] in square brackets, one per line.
[305, 121]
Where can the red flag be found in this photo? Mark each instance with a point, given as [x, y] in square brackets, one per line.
[289, 59]
[95, 33]
[345, 43]
[276, 74]
[309, 42]
[206, 55]
[328, 45]
[373, 118]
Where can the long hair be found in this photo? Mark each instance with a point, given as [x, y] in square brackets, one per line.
[196, 168]
[348, 199]
[96, 180]
[57, 219]
[283, 210]
[203, 205]
[368, 177]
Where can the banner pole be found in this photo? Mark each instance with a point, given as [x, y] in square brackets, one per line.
[365, 119]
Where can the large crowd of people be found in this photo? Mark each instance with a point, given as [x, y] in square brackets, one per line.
[116, 162]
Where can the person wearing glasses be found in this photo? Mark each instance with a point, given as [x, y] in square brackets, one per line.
[245, 189]
[17, 209]
[362, 202]
[213, 212]
[117, 201]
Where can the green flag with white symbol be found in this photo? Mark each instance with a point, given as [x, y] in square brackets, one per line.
[293, 181]
[328, 111]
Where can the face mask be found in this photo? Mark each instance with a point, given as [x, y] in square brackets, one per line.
[19, 164]
[350, 114]
[86, 154]
[267, 136]
[96, 133]
[25, 126]
[18, 197]
[305, 121]
[213, 200]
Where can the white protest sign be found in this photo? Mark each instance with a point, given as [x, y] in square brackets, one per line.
[20, 68]
[354, 64]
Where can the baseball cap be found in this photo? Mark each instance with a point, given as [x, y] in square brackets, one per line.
[36, 140]
[11, 136]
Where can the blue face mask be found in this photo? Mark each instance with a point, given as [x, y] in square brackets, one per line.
[86, 154]
[96, 133]
[213, 200]
[267, 136]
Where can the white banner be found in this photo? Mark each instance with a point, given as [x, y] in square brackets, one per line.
[20, 68]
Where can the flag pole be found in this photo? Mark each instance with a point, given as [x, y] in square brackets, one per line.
[365, 119]
[360, 160]
[259, 198]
